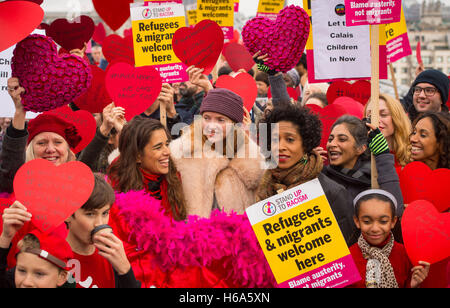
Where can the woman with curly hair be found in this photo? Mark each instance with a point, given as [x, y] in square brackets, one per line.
[299, 133]
[430, 142]
[395, 126]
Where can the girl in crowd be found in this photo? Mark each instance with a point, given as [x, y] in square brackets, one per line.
[299, 134]
[381, 261]
[395, 126]
[430, 142]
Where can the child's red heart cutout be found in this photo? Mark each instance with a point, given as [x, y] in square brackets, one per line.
[238, 57]
[243, 85]
[118, 49]
[114, 13]
[51, 194]
[134, 89]
[426, 232]
[328, 116]
[83, 121]
[200, 46]
[359, 91]
[352, 107]
[99, 34]
[71, 34]
[17, 20]
[96, 98]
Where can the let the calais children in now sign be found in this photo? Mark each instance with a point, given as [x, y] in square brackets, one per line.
[301, 239]
[154, 24]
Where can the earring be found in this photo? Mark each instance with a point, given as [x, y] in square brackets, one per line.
[304, 159]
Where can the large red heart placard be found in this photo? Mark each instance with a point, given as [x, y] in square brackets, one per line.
[96, 98]
[51, 194]
[134, 89]
[359, 91]
[352, 107]
[200, 46]
[426, 232]
[118, 49]
[17, 20]
[71, 34]
[99, 34]
[243, 85]
[238, 57]
[328, 116]
[114, 13]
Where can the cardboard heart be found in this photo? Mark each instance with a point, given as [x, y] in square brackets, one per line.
[83, 121]
[419, 53]
[71, 34]
[114, 13]
[51, 194]
[118, 49]
[352, 107]
[293, 93]
[328, 116]
[134, 89]
[50, 81]
[38, 2]
[436, 185]
[96, 98]
[238, 57]
[17, 20]
[99, 34]
[243, 85]
[200, 46]
[4, 203]
[284, 39]
[359, 91]
[426, 232]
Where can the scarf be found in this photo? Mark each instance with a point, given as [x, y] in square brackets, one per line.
[276, 179]
[156, 186]
[379, 271]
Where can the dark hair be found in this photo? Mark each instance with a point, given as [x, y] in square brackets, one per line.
[303, 61]
[375, 197]
[357, 129]
[102, 195]
[320, 96]
[263, 77]
[308, 124]
[224, 70]
[441, 125]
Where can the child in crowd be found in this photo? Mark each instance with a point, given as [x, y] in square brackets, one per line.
[381, 261]
[99, 257]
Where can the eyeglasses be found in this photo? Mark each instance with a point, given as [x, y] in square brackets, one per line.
[430, 91]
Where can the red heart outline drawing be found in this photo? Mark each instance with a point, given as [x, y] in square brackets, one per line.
[200, 46]
[134, 89]
[51, 194]
[359, 91]
[238, 57]
[118, 49]
[71, 34]
[426, 232]
[243, 85]
[114, 13]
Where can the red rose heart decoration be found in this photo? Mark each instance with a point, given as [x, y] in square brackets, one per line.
[359, 91]
[243, 85]
[114, 13]
[328, 116]
[99, 34]
[284, 39]
[200, 46]
[71, 34]
[50, 81]
[17, 20]
[426, 232]
[51, 194]
[83, 121]
[352, 107]
[238, 57]
[96, 98]
[134, 89]
[118, 49]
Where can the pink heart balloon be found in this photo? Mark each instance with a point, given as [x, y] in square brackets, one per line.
[50, 81]
[284, 39]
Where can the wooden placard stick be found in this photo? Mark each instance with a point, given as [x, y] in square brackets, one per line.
[375, 91]
[394, 81]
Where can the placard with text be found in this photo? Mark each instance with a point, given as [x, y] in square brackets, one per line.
[222, 12]
[301, 239]
[270, 8]
[372, 12]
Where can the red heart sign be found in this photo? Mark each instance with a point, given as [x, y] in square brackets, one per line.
[426, 232]
[200, 46]
[352, 107]
[118, 49]
[359, 91]
[72, 34]
[83, 121]
[99, 34]
[238, 57]
[96, 98]
[328, 116]
[4, 203]
[134, 89]
[51, 194]
[17, 20]
[243, 85]
[114, 13]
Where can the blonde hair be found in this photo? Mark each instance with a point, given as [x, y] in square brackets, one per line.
[29, 153]
[402, 129]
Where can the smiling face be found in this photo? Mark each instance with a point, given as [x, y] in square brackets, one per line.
[289, 145]
[424, 145]
[155, 156]
[52, 147]
[423, 102]
[386, 123]
[342, 148]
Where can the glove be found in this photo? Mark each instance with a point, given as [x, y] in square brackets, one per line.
[378, 143]
[264, 68]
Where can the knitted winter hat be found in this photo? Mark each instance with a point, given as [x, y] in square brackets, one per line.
[293, 74]
[437, 79]
[225, 102]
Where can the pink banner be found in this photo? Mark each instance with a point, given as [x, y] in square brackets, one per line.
[336, 274]
[372, 12]
[171, 73]
[398, 48]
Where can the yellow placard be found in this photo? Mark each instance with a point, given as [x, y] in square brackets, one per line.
[396, 29]
[270, 6]
[222, 12]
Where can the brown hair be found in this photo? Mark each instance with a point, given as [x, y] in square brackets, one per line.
[102, 195]
[125, 174]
